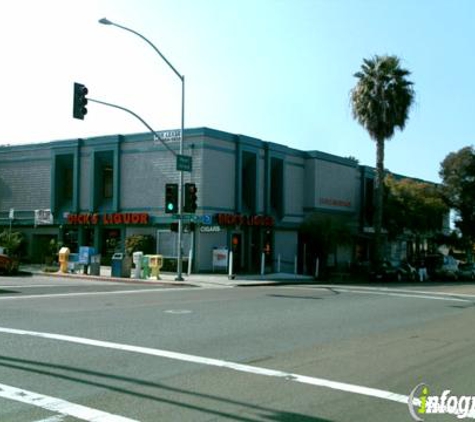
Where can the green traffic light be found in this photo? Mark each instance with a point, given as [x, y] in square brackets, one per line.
[171, 198]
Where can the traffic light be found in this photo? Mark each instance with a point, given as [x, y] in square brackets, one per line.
[190, 198]
[80, 101]
[235, 242]
[171, 198]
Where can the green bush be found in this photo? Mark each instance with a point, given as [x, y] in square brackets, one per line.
[139, 242]
[12, 241]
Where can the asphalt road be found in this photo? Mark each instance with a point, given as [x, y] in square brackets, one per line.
[101, 351]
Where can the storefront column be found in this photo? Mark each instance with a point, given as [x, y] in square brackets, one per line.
[97, 239]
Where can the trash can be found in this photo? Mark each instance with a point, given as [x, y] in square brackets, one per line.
[63, 258]
[119, 267]
[95, 266]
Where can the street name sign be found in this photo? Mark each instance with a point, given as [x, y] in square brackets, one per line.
[183, 162]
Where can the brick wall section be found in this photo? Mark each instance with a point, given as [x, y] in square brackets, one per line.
[25, 178]
[146, 167]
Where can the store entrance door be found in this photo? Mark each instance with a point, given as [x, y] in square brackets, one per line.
[254, 250]
[110, 243]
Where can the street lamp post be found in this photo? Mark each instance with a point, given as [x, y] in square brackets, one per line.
[179, 276]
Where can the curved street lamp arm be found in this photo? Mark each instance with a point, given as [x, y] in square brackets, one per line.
[108, 22]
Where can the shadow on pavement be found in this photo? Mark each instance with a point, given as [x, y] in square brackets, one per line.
[77, 375]
[3, 292]
[295, 297]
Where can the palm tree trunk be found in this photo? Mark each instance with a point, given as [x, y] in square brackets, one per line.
[378, 212]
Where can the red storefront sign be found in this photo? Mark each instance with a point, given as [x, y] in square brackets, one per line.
[245, 220]
[116, 218]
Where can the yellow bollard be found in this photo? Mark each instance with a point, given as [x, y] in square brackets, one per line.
[63, 258]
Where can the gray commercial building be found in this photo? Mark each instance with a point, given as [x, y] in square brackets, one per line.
[253, 196]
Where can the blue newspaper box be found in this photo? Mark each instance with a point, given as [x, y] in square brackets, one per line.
[73, 263]
[85, 254]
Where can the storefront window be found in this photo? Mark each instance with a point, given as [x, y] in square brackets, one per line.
[64, 181]
[68, 184]
[249, 181]
[107, 182]
[277, 186]
[70, 239]
[104, 180]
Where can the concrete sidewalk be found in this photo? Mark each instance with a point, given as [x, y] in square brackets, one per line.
[199, 280]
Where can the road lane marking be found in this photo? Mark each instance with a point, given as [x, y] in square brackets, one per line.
[17, 286]
[178, 311]
[114, 292]
[319, 382]
[407, 295]
[59, 406]
[57, 418]
[461, 297]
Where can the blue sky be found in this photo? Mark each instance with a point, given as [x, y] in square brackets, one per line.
[278, 70]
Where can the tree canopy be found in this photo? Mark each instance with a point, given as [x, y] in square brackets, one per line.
[413, 206]
[457, 172]
[382, 96]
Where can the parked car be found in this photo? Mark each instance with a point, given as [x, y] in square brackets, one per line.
[8, 265]
[391, 272]
[408, 272]
[446, 268]
[466, 271]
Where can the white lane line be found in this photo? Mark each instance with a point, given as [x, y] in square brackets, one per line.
[392, 292]
[59, 406]
[411, 296]
[178, 311]
[12, 286]
[115, 292]
[320, 382]
[17, 286]
[57, 418]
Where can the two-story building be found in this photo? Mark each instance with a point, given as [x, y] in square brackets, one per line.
[253, 196]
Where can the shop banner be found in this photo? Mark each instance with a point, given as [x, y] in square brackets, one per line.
[43, 217]
[220, 258]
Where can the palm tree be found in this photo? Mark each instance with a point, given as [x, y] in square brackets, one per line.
[380, 102]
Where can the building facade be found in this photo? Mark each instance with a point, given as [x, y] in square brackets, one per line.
[253, 196]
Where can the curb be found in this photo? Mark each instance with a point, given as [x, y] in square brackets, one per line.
[87, 277]
[202, 281]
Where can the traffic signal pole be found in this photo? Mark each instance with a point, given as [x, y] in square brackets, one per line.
[105, 21]
[179, 273]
